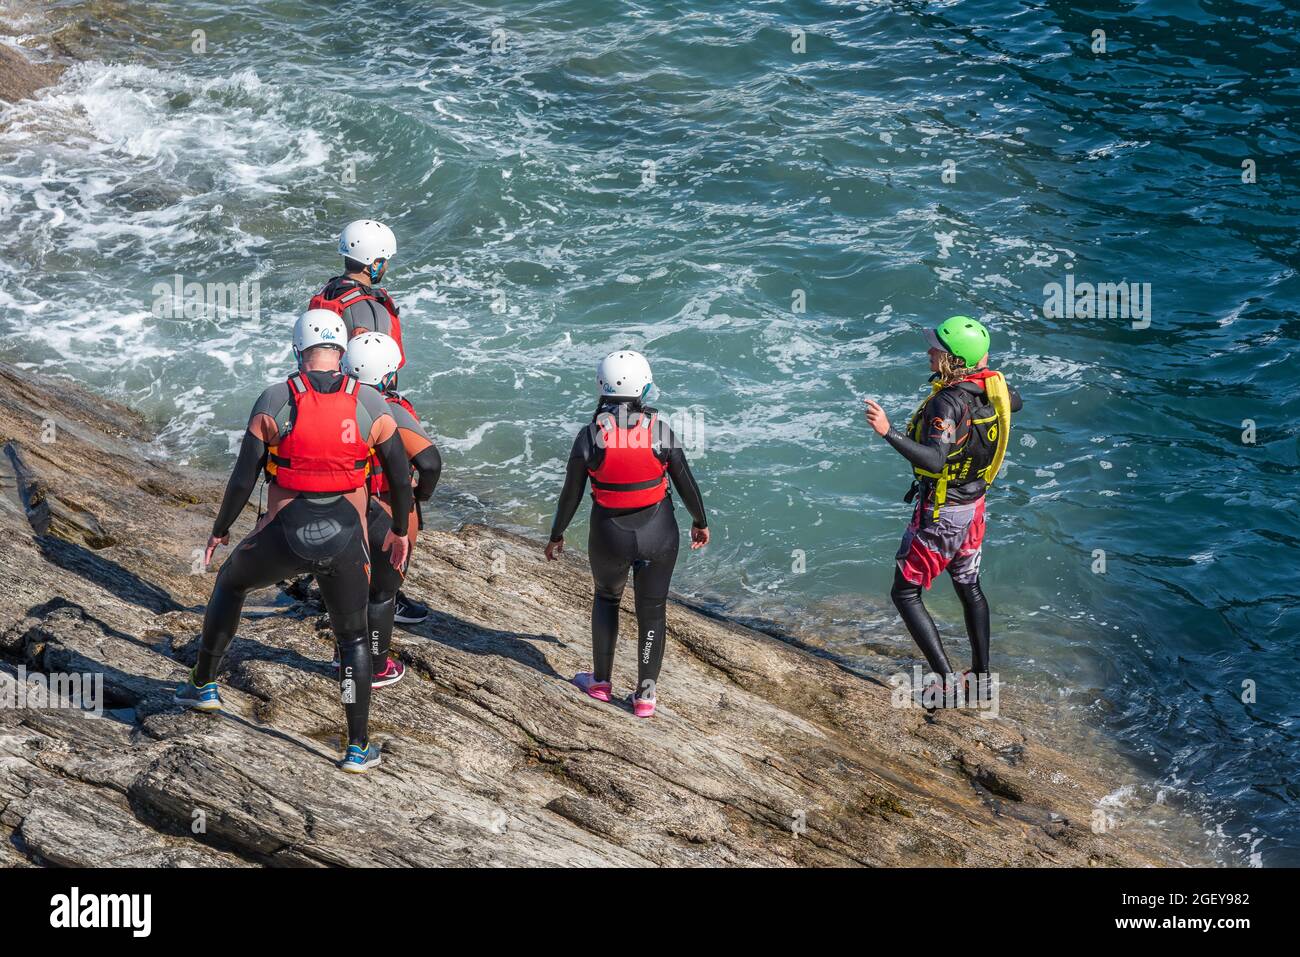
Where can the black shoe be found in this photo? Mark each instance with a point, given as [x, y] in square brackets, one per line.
[300, 589]
[409, 612]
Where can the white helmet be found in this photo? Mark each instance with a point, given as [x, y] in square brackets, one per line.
[372, 357]
[319, 327]
[624, 375]
[366, 240]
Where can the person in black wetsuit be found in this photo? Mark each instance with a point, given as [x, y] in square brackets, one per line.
[367, 247]
[955, 443]
[314, 435]
[373, 358]
[629, 454]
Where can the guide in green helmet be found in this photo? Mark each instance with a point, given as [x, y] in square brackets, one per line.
[955, 443]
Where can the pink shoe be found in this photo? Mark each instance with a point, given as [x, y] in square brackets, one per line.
[643, 707]
[600, 690]
[394, 671]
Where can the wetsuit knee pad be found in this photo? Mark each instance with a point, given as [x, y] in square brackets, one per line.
[351, 640]
[385, 580]
[650, 606]
[350, 624]
[904, 591]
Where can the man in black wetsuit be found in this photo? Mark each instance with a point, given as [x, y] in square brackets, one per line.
[314, 436]
[629, 454]
[955, 443]
[367, 246]
[373, 358]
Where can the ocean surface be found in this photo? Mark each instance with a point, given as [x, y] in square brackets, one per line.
[770, 200]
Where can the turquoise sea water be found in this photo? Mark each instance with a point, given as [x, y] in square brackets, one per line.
[769, 220]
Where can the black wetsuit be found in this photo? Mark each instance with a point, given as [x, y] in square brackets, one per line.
[317, 533]
[385, 580]
[644, 540]
[948, 416]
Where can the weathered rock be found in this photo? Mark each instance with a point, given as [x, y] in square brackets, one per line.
[762, 753]
[20, 77]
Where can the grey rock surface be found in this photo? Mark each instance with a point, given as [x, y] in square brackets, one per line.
[762, 753]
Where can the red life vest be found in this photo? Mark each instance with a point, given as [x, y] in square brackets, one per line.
[378, 480]
[353, 292]
[630, 476]
[324, 450]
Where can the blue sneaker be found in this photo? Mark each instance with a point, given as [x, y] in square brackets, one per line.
[198, 698]
[359, 760]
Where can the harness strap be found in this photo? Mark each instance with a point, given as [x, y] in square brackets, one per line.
[281, 462]
[625, 486]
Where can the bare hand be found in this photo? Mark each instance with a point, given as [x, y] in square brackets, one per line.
[876, 417]
[699, 537]
[398, 548]
[213, 542]
[553, 550]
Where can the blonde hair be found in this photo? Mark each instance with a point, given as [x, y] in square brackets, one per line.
[952, 369]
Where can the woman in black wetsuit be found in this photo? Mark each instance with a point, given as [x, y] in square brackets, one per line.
[629, 454]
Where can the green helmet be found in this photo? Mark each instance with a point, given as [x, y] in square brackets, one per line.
[963, 337]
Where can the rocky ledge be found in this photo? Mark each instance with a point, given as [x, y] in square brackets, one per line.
[763, 752]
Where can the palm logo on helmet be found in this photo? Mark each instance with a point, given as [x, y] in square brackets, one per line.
[318, 327]
[624, 375]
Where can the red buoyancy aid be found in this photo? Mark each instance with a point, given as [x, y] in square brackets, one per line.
[631, 475]
[355, 292]
[324, 450]
[378, 480]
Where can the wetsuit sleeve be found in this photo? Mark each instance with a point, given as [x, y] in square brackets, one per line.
[938, 432]
[396, 466]
[575, 483]
[428, 467]
[249, 465]
[419, 449]
[679, 470]
[1016, 403]
[262, 431]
